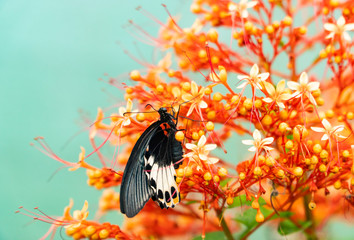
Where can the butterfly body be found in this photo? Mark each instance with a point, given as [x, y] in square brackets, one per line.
[150, 170]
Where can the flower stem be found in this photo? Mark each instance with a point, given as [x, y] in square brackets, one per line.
[223, 224]
[311, 231]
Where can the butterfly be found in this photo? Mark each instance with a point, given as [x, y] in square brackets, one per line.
[150, 170]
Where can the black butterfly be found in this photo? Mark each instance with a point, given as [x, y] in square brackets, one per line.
[150, 171]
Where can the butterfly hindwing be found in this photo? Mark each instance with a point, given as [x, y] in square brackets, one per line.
[135, 189]
[161, 158]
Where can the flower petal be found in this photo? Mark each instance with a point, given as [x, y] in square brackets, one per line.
[252, 149]
[293, 85]
[244, 84]
[257, 135]
[268, 140]
[210, 147]
[270, 88]
[190, 146]
[304, 78]
[254, 71]
[202, 141]
[203, 104]
[324, 137]
[318, 129]
[267, 100]
[263, 76]
[212, 160]
[330, 27]
[326, 124]
[248, 142]
[281, 86]
[312, 86]
[341, 21]
[349, 27]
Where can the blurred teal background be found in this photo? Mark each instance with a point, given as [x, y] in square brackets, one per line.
[52, 54]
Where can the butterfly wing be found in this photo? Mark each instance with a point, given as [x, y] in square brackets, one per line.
[161, 161]
[135, 189]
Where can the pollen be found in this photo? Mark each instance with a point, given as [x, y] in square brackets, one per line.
[350, 115]
[160, 89]
[345, 153]
[212, 35]
[216, 178]
[209, 126]
[140, 117]
[104, 233]
[334, 3]
[337, 185]
[314, 160]
[324, 154]
[217, 97]
[298, 171]
[257, 171]
[242, 176]
[317, 148]
[258, 104]
[211, 115]
[323, 53]
[289, 144]
[179, 136]
[269, 29]
[270, 161]
[188, 171]
[222, 172]
[267, 120]
[90, 230]
[287, 21]
[283, 127]
[322, 168]
[186, 86]
[207, 176]
[283, 115]
[248, 104]
[280, 173]
[180, 172]
[229, 200]
[195, 136]
[135, 75]
[303, 30]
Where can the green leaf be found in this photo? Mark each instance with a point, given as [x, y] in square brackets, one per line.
[191, 202]
[287, 227]
[212, 236]
[248, 218]
[290, 137]
[224, 182]
[239, 201]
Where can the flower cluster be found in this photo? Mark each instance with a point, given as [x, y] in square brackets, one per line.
[301, 122]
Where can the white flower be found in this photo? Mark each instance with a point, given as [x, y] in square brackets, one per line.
[258, 143]
[242, 7]
[78, 215]
[304, 88]
[254, 78]
[278, 95]
[126, 113]
[328, 130]
[201, 151]
[195, 97]
[340, 29]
